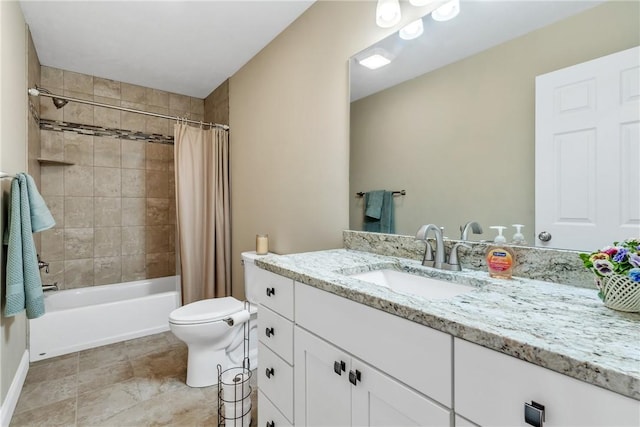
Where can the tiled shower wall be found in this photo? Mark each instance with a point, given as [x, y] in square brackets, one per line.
[115, 206]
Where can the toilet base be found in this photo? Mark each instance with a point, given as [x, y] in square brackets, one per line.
[202, 366]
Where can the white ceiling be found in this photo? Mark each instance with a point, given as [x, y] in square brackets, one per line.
[480, 25]
[185, 47]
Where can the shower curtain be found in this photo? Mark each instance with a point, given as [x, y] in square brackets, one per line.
[202, 197]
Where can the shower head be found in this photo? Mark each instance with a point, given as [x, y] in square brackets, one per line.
[59, 103]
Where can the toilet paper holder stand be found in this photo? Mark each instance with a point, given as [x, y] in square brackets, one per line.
[234, 388]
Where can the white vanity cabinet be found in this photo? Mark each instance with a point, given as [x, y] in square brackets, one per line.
[275, 348]
[355, 365]
[491, 389]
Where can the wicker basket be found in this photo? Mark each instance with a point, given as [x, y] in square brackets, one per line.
[619, 293]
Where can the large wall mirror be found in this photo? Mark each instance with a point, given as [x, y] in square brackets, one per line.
[458, 135]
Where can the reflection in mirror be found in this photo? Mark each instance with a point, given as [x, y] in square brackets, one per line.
[460, 138]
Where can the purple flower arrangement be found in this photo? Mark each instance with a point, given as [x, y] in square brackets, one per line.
[621, 258]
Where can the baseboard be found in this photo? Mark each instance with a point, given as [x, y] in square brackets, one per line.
[11, 400]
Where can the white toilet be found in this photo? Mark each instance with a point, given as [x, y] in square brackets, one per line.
[213, 330]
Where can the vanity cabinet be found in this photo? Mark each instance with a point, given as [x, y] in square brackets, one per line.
[275, 349]
[332, 388]
[491, 389]
[355, 365]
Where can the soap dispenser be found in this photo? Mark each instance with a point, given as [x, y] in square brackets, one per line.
[500, 258]
[518, 237]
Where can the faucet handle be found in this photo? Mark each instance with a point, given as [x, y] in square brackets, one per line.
[453, 263]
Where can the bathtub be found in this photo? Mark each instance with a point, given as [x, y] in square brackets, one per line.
[78, 319]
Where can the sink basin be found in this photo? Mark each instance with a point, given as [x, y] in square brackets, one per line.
[406, 283]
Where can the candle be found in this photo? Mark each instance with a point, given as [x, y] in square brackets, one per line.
[262, 244]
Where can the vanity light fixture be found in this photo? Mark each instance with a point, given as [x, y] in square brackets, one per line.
[374, 61]
[447, 11]
[388, 13]
[412, 31]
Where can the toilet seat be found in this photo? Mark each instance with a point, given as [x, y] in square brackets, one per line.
[205, 311]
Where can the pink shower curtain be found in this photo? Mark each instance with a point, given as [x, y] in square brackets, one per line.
[202, 197]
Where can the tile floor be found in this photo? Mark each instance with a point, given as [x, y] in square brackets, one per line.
[140, 382]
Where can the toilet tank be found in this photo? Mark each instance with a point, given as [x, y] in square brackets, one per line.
[251, 274]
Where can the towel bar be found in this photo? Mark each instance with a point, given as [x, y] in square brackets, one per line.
[6, 175]
[395, 193]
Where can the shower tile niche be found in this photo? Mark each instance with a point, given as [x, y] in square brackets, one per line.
[115, 205]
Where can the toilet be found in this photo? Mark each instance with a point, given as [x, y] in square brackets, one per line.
[213, 330]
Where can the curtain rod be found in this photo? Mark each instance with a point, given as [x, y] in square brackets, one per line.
[41, 92]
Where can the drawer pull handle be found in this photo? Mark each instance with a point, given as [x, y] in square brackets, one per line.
[269, 332]
[534, 414]
[354, 377]
[271, 291]
[339, 367]
[269, 372]
[270, 424]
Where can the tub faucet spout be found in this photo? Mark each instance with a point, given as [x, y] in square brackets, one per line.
[429, 260]
[53, 287]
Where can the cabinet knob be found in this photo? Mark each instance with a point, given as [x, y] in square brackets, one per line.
[354, 377]
[269, 332]
[270, 424]
[534, 414]
[339, 367]
[271, 291]
[269, 372]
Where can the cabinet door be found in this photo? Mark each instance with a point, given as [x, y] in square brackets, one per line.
[379, 400]
[491, 389]
[322, 397]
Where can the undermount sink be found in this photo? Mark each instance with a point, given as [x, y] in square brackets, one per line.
[406, 283]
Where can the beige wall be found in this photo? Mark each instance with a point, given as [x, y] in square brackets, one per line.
[460, 139]
[13, 159]
[115, 206]
[289, 118]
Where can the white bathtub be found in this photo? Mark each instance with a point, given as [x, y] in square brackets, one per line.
[78, 319]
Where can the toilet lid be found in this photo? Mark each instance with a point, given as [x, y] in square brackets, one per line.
[206, 310]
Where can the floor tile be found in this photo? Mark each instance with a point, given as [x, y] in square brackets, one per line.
[42, 393]
[93, 379]
[96, 406]
[146, 345]
[61, 413]
[102, 356]
[57, 368]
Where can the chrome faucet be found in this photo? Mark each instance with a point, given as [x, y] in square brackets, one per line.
[473, 225]
[429, 260]
[42, 264]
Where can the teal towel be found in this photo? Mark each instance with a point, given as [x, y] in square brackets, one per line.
[24, 287]
[373, 203]
[41, 218]
[385, 223]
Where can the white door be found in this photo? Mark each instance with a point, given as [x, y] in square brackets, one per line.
[322, 389]
[588, 152]
[379, 400]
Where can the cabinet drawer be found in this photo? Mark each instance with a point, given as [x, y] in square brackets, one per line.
[268, 413]
[491, 389]
[416, 355]
[276, 332]
[278, 385]
[275, 292]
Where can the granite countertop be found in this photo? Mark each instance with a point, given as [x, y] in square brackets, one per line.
[563, 328]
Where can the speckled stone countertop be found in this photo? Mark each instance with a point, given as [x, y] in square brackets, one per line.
[563, 328]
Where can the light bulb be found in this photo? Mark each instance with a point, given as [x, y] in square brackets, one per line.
[412, 30]
[447, 11]
[388, 13]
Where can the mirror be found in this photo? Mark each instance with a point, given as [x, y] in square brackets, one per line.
[458, 136]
